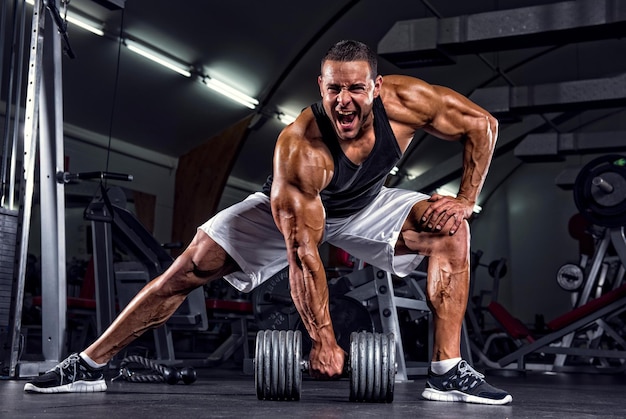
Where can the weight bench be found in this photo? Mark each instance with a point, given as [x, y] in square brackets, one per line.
[595, 312]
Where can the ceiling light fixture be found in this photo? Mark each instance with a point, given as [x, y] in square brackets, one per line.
[171, 63]
[230, 92]
[81, 21]
[87, 24]
[158, 58]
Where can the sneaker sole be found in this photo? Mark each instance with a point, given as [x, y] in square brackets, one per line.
[457, 396]
[77, 387]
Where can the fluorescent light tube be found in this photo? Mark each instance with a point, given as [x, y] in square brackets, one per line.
[158, 58]
[86, 24]
[230, 92]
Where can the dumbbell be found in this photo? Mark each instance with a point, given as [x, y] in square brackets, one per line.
[278, 366]
[173, 376]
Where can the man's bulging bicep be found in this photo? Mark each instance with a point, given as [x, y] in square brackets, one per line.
[457, 118]
[302, 169]
[300, 218]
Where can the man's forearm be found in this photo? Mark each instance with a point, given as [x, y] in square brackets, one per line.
[309, 292]
[477, 154]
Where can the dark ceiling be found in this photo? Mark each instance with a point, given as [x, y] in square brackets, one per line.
[271, 51]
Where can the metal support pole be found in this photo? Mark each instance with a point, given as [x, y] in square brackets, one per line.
[31, 125]
[43, 130]
[103, 263]
[389, 318]
[52, 208]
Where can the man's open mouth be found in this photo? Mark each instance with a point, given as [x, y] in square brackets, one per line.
[346, 118]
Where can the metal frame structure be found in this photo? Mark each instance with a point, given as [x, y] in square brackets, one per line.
[44, 131]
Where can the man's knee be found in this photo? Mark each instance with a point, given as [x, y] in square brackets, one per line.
[207, 260]
[455, 247]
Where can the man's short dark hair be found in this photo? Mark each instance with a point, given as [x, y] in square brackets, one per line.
[349, 50]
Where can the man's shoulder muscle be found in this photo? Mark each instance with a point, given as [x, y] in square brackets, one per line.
[301, 155]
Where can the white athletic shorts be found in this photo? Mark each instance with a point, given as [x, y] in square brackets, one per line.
[249, 235]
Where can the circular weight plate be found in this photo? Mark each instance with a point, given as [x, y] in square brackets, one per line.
[289, 365]
[272, 305]
[384, 367]
[372, 367]
[599, 205]
[283, 369]
[377, 373]
[362, 370]
[354, 366]
[390, 370]
[275, 370]
[278, 365]
[617, 189]
[258, 365]
[262, 361]
[570, 277]
[267, 365]
[291, 368]
[297, 367]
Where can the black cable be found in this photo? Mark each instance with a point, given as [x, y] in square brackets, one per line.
[115, 89]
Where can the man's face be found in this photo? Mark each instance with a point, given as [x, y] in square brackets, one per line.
[348, 91]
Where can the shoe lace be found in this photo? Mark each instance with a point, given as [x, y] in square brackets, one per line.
[466, 369]
[66, 364]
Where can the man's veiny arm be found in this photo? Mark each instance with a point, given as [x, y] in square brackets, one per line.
[444, 113]
[301, 170]
[476, 128]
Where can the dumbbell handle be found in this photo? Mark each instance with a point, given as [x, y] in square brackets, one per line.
[602, 184]
[306, 364]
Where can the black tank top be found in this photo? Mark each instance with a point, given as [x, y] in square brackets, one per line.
[354, 186]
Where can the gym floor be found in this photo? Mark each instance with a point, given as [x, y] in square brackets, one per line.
[228, 393]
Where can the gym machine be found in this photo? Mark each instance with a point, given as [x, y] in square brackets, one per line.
[600, 196]
[117, 282]
[476, 306]
[43, 132]
[592, 333]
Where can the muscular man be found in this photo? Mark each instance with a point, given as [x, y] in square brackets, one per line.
[327, 185]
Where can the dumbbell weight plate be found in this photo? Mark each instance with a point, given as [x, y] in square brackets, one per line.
[372, 367]
[278, 373]
[294, 362]
[570, 277]
[389, 367]
[602, 208]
